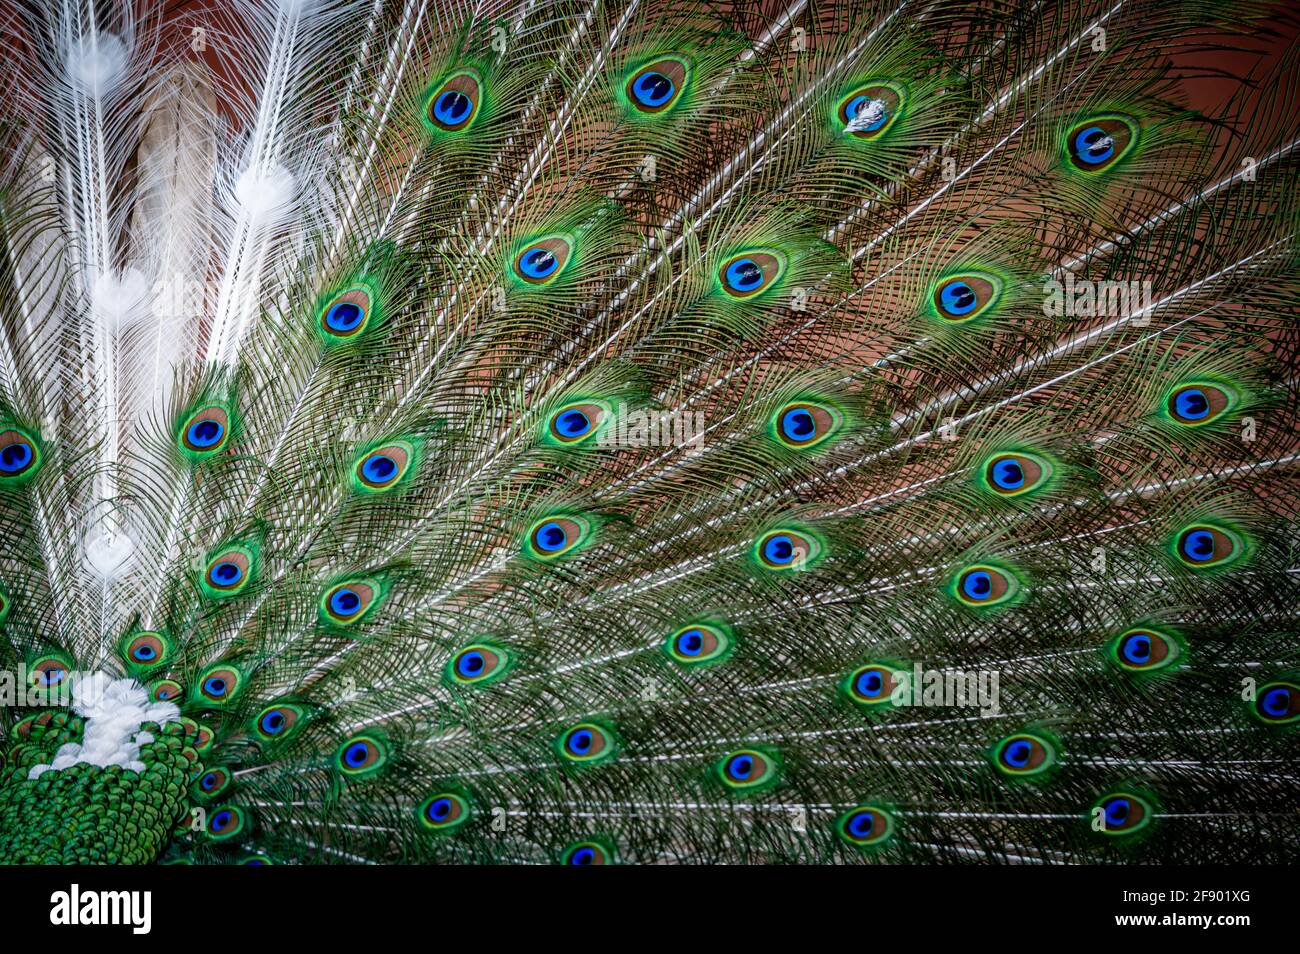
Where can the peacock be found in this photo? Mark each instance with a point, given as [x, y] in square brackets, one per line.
[649, 431]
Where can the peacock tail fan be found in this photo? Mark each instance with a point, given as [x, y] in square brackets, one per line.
[601, 432]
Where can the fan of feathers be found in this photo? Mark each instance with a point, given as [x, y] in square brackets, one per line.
[648, 431]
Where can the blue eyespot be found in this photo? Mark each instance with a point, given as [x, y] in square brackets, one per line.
[1093, 146]
[345, 602]
[454, 104]
[860, 824]
[740, 766]
[439, 809]
[205, 433]
[1137, 648]
[538, 262]
[744, 275]
[227, 574]
[583, 856]
[690, 643]
[208, 782]
[1008, 474]
[377, 468]
[653, 89]
[1198, 545]
[860, 104]
[958, 298]
[798, 424]
[344, 316]
[15, 457]
[573, 424]
[869, 684]
[1191, 404]
[452, 107]
[214, 686]
[273, 722]
[977, 585]
[1017, 753]
[143, 653]
[550, 537]
[1276, 702]
[1117, 811]
[356, 754]
[579, 742]
[221, 820]
[779, 549]
[470, 664]
[19, 456]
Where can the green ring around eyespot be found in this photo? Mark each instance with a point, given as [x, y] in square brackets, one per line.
[1293, 685]
[461, 806]
[1013, 593]
[37, 461]
[1148, 811]
[1047, 744]
[841, 827]
[1135, 132]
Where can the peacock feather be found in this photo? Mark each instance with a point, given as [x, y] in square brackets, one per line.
[629, 431]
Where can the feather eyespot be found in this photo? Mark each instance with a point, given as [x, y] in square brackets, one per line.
[146, 650]
[576, 422]
[278, 722]
[350, 601]
[1120, 814]
[870, 110]
[166, 690]
[203, 739]
[454, 104]
[444, 812]
[542, 260]
[383, 467]
[983, 585]
[787, 550]
[1277, 702]
[218, 685]
[1098, 144]
[50, 672]
[20, 456]
[347, 315]
[656, 87]
[1024, 754]
[205, 432]
[698, 645]
[1196, 404]
[582, 854]
[225, 823]
[362, 755]
[213, 783]
[748, 769]
[748, 273]
[1204, 545]
[1016, 474]
[587, 743]
[871, 686]
[477, 665]
[1143, 649]
[866, 826]
[554, 537]
[961, 298]
[805, 424]
[229, 572]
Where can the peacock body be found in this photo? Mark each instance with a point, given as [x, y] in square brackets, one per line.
[648, 431]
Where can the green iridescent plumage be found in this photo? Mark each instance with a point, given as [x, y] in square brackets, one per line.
[627, 432]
